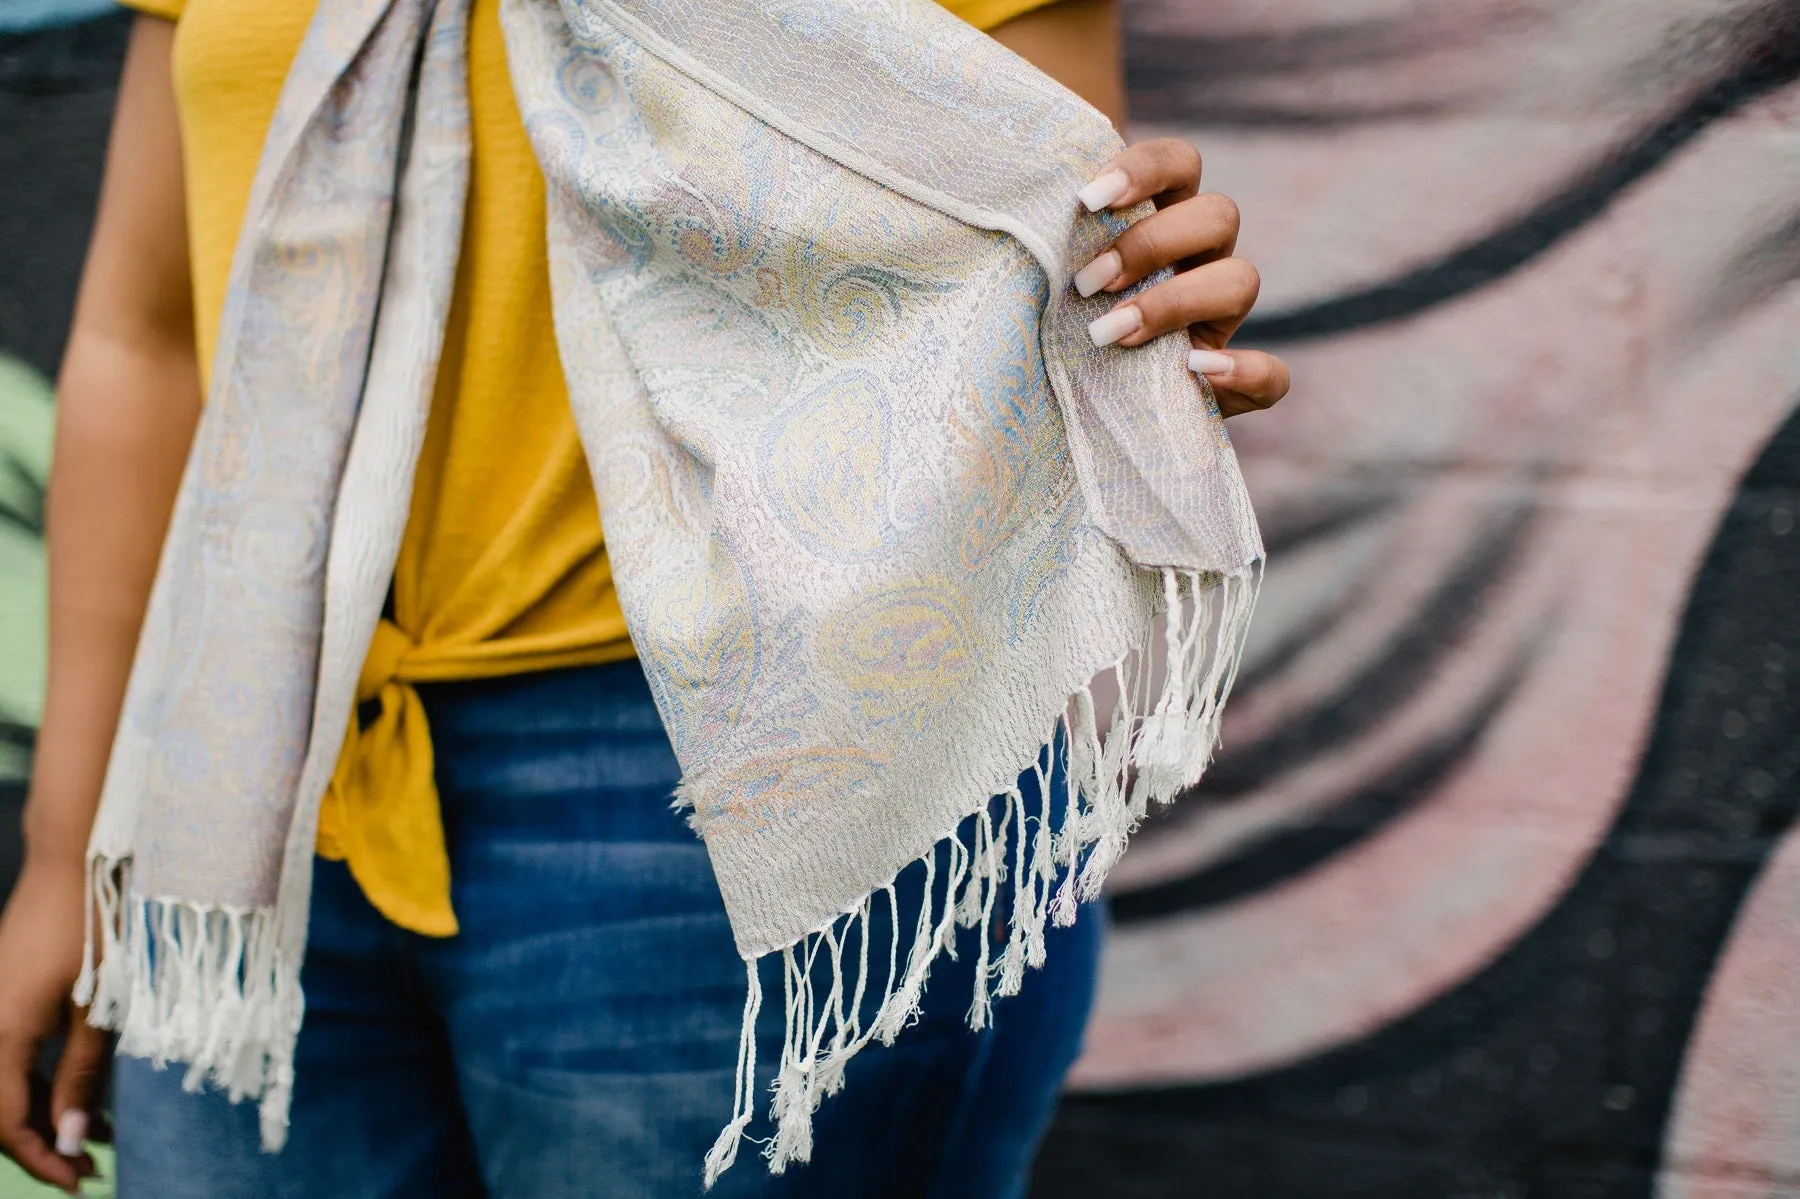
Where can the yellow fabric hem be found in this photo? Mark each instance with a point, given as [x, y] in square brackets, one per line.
[425, 919]
[382, 814]
[986, 14]
[983, 14]
[168, 10]
[449, 663]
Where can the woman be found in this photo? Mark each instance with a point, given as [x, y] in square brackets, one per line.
[519, 979]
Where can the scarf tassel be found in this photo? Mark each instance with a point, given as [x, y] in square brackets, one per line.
[200, 985]
[1157, 740]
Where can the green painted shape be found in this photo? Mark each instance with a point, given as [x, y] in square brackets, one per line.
[16, 1184]
[27, 416]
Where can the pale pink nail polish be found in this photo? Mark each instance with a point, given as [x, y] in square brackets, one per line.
[1104, 191]
[1210, 363]
[1098, 273]
[1120, 322]
[71, 1132]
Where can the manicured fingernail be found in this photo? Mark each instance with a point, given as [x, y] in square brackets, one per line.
[1210, 362]
[1120, 322]
[71, 1131]
[1104, 191]
[1098, 273]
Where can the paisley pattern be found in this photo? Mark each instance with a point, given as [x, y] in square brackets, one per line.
[825, 461]
[881, 409]
[904, 654]
[876, 506]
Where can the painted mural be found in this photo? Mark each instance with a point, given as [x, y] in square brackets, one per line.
[56, 95]
[1495, 889]
[25, 418]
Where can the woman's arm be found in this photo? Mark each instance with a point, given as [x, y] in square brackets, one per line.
[127, 403]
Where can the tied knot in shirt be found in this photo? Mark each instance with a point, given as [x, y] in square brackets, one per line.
[381, 810]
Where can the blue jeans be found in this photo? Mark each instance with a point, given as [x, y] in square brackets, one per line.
[578, 1036]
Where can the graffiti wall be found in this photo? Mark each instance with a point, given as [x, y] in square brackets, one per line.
[57, 79]
[1494, 890]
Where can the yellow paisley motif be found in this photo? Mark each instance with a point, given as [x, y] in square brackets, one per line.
[825, 466]
[1011, 437]
[904, 654]
[713, 197]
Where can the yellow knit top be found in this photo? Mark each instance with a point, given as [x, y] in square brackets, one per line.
[503, 567]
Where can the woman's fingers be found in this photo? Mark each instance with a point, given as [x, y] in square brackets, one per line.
[1213, 292]
[1216, 296]
[80, 1073]
[1243, 380]
[1200, 229]
[1164, 169]
[22, 1131]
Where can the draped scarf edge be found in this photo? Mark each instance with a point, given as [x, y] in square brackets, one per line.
[204, 984]
[1152, 747]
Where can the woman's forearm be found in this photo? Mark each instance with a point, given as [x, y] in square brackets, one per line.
[128, 399]
[121, 436]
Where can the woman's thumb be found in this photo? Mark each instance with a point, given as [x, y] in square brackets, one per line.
[77, 1085]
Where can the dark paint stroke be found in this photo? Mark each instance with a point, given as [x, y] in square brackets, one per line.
[1773, 63]
[1293, 850]
[1370, 696]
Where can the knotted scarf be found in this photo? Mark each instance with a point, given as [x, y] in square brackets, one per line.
[878, 510]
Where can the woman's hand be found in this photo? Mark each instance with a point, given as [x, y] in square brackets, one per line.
[42, 1128]
[1212, 291]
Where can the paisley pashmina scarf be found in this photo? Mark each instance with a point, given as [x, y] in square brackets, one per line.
[879, 512]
